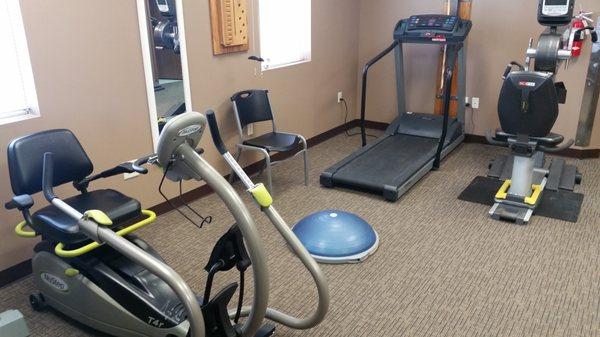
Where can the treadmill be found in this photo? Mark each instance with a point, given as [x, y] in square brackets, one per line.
[414, 143]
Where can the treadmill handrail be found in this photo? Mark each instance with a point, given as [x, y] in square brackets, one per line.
[451, 57]
[363, 103]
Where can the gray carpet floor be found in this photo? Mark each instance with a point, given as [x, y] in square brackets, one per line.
[444, 268]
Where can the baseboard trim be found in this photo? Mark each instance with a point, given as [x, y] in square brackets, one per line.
[15, 273]
[252, 169]
[23, 269]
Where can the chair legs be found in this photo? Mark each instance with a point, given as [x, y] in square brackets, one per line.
[305, 154]
[268, 169]
[268, 162]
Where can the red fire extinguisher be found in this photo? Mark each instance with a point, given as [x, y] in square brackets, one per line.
[578, 39]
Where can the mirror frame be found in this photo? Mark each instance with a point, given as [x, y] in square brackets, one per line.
[147, 61]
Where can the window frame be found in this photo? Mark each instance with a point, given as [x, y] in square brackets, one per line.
[265, 66]
[26, 70]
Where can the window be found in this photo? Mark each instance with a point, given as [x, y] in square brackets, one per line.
[17, 91]
[284, 32]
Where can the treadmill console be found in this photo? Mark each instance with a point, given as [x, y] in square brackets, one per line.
[555, 12]
[432, 29]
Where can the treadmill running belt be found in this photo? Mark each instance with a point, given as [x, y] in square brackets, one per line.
[390, 162]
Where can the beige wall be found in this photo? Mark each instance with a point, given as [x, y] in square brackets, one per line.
[501, 30]
[303, 96]
[89, 77]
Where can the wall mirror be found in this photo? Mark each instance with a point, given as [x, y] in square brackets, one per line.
[165, 60]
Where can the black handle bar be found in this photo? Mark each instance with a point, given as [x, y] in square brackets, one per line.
[214, 131]
[363, 103]
[48, 176]
[137, 165]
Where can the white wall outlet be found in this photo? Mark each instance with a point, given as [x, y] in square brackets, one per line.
[128, 176]
[475, 102]
[467, 99]
[340, 97]
[250, 129]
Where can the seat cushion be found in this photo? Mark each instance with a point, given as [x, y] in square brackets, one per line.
[273, 141]
[56, 226]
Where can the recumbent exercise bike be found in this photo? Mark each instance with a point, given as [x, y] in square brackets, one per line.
[528, 108]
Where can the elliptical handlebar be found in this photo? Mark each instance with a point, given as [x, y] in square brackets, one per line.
[288, 235]
[214, 132]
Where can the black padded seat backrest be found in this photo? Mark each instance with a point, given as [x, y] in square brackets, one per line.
[253, 106]
[26, 160]
[528, 103]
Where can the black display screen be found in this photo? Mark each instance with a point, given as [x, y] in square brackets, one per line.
[557, 2]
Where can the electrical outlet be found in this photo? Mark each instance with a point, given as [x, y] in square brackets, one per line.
[340, 97]
[250, 129]
[128, 176]
[475, 102]
[467, 100]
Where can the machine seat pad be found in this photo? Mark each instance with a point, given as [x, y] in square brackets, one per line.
[549, 139]
[57, 226]
[274, 141]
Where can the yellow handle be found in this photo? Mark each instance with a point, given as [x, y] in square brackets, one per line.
[503, 191]
[60, 251]
[537, 191]
[20, 231]
[261, 195]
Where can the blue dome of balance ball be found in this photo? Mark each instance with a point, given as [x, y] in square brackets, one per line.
[334, 236]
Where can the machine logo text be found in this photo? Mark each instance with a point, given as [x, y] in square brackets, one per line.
[55, 282]
[189, 130]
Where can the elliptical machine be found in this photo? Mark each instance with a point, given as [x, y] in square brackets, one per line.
[528, 108]
[90, 266]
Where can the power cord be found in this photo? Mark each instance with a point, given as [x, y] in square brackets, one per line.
[348, 133]
[205, 220]
[470, 107]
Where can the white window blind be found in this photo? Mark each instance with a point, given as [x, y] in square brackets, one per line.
[17, 90]
[285, 28]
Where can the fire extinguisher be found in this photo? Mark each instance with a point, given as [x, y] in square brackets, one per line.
[577, 38]
[581, 24]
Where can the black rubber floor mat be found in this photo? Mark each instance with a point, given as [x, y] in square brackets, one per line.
[562, 205]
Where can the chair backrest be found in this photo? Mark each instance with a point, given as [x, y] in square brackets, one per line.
[528, 103]
[26, 159]
[252, 106]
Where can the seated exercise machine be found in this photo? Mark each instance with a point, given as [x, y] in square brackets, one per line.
[414, 143]
[90, 266]
[528, 108]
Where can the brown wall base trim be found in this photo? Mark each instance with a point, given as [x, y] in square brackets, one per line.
[15, 273]
[251, 169]
[24, 268]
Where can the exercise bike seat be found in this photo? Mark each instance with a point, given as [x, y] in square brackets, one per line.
[56, 226]
[71, 164]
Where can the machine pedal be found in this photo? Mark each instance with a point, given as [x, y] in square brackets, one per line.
[517, 215]
[265, 331]
[568, 178]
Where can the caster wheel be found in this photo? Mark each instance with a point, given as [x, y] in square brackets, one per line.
[37, 302]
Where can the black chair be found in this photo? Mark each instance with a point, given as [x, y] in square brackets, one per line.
[72, 165]
[252, 106]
